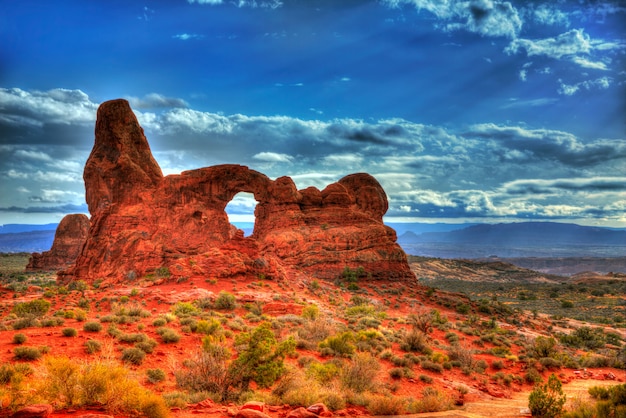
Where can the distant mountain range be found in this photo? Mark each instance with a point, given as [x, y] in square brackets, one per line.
[505, 240]
[524, 239]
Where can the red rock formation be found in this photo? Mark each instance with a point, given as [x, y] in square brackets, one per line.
[68, 241]
[146, 224]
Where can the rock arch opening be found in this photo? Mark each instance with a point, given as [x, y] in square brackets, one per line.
[240, 212]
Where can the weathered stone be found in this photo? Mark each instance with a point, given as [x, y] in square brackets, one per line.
[143, 223]
[34, 411]
[301, 413]
[251, 413]
[69, 239]
[320, 409]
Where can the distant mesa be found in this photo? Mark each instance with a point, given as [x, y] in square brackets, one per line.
[69, 239]
[144, 224]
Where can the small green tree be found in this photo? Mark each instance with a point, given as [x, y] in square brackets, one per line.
[547, 400]
[260, 357]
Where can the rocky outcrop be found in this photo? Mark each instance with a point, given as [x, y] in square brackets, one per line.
[68, 241]
[145, 224]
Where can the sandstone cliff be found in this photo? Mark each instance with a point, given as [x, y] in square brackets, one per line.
[69, 238]
[146, 224]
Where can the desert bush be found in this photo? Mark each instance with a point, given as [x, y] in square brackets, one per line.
[341, 344]
[532, 376]
[69, 332]
[385, 405]
[422, 321]
[209, 327]
[310, 312]
[131, 337]
[26, 353]
[431, 366]
[92, 326]
[547, 400]
[36, 308]
[550, 363]
[585, 337]
[133, 356]
[168, 335]
[66, 382]
[184, 309]
[543, 347]
[26, 322]
[19, 338]
[359, 374]
[322, 372]
[155, 375]
[260, 356]
[147, 346]
[208, 371]
[51, 322]
[415, 340]
[432, 401]
[159, 322]
[311, 332]
[225, 301]
[92, 346]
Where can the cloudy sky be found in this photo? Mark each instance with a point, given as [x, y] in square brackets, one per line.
[479, 110]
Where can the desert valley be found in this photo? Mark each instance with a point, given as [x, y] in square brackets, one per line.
[158, 306]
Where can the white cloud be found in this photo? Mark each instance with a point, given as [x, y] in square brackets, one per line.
[33, 155]
[548, 15]
[187, 36]
[343, 161]
[268, 4]
[602, 83]
[574, 45]
[492, 18]
[273, 157]
[574, 42]
[57, 106]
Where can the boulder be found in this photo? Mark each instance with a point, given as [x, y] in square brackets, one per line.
[251, 413]
[146, 225]
[69, 239]
[34, 411]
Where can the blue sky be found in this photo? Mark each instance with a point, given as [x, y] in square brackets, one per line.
[479, 110]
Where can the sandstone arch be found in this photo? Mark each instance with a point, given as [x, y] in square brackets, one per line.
[143, 221]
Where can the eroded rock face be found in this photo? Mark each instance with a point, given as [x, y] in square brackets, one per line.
[68, 241]
[143, 223]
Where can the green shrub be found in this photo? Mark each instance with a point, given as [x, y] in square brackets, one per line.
[155, 375]
[26, 322]
[131, 337]
[547, 400]
[385, 405]
[184, 309]
[415, 341]
[432, 401]
[92, 346]
[26, 353]
[432, 366]
[69, 332]
[92, 326]
[209, 327]
[159, 322]
[260, 356]
[19, 338]
[36, 308]
[225, 301]
[168, 335]
[341, 344]
[133, 356]
[147, 346]
[360, 373]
